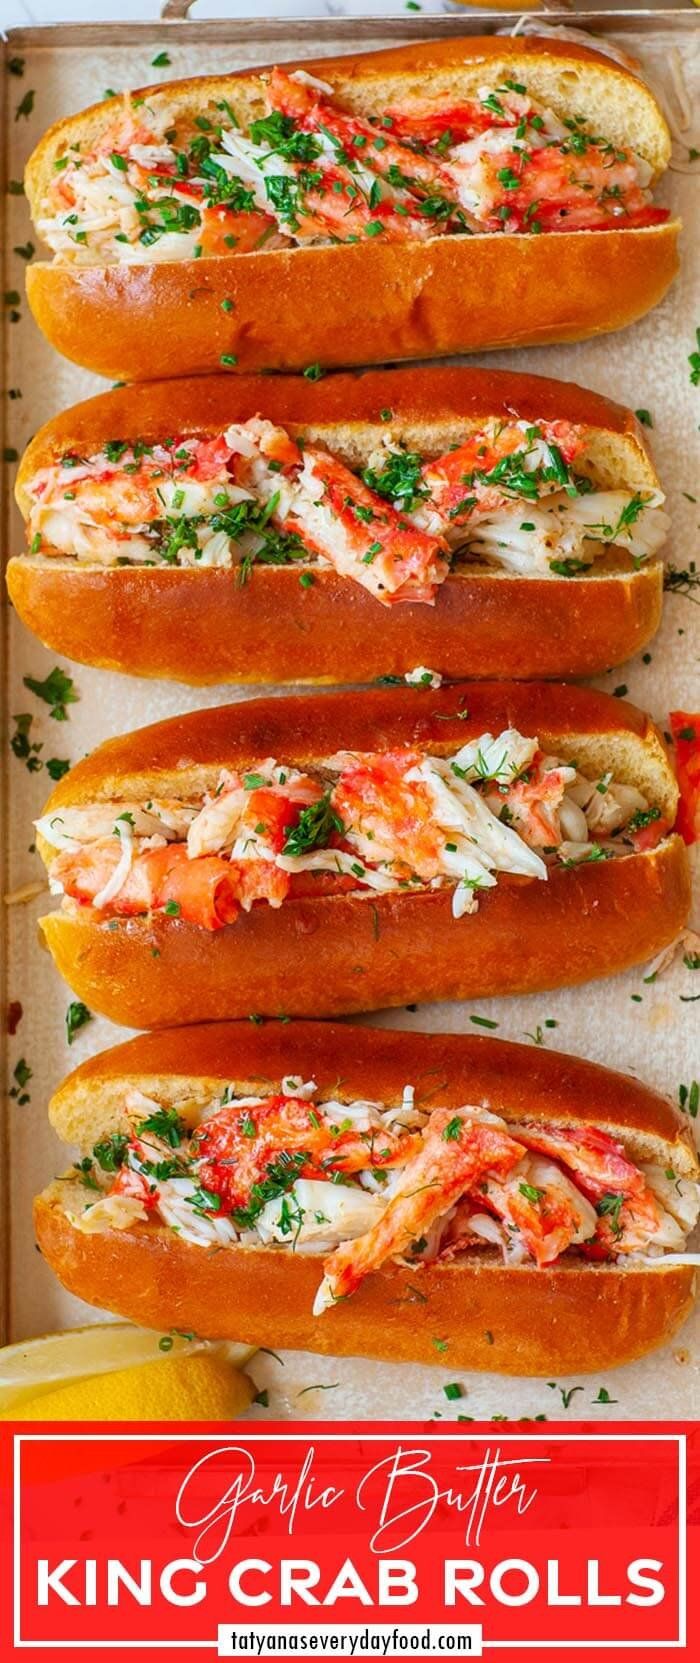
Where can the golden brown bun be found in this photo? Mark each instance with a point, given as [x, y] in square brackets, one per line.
[200, 626]
[186, 1067]
[183, 756]
[339, 955]
[564, 74]
[333, 955]
[450, 294]
[431, 407]
[396, 301]
[571, 1318]
[197, 627]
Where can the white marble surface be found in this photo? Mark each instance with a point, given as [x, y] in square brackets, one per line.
[16, 13]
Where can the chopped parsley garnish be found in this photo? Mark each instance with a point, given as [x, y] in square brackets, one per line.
[314, 828]
[86, 1173]
[204, 1201]
[610, 1206]
[642, 817]
[453, 1130]
[531, 1193]
[400, 480]
[57, 691]
[166, 1125]
[694, 361]
[21, 1075]
[77, 1016]
[110, 1153]
[281, 137]
[282, 1174]
[173, 216]
[23, 746]
[570, 567]
[689, 1098]
[114, 449]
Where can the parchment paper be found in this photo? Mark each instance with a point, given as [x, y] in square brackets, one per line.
[644, 1029]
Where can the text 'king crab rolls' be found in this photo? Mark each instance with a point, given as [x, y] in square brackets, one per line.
[339, 853]
[270, 529]
[364, 1192]
[397, 204]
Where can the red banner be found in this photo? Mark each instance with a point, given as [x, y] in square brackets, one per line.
[347, 1541]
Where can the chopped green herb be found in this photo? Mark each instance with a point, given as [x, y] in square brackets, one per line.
[25, 106]
[57, 690]
[77, 1015]
[166, 1125]
[400, 480]
[689, 1098]
[23, 746]
[110, 1152]
[694, 361]
[610, 1206]
[315, 827]
[453, 1130]
[531, 1193]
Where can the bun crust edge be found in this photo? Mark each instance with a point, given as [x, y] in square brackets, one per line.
[518, 1320]
[199, 627]
[421, 300]
[527, 936]
[516, 1081]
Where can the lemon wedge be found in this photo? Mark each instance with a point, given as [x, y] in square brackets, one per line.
[31, 1368]
[199, 1387]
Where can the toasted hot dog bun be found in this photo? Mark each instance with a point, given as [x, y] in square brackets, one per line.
[332, 955]
[369, 302]
[201, 626]
[570, 1317]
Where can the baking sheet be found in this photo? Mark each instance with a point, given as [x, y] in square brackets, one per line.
[642, 1028]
